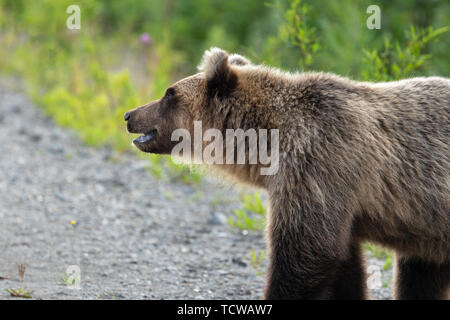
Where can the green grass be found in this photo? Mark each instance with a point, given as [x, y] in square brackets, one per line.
[386, 283]
[380, 253]
[68, 281]
[387, 263]
[251, 216]
[20, 293]
[164, 169]
[257, 260]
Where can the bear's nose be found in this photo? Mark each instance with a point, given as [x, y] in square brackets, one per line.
[126, 116]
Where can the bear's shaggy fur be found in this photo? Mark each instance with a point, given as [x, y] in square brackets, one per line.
[359, 161]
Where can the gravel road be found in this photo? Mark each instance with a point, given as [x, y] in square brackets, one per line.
[134, 237]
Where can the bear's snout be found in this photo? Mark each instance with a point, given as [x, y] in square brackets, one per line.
[149, 124]
[141, 119]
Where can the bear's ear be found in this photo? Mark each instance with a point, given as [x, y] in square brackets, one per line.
[220, 78]
[238, 60]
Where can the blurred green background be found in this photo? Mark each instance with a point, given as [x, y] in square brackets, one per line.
[128, 51]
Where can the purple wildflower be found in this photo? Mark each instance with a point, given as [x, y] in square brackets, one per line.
[145, 38]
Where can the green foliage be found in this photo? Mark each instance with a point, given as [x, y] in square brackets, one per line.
[187, 174]
[378, 252]
[163, 168]
[68, 280]
[386, 282]
[381, 254]
[297, 31]
[96, 111]
[395, 62]
[257, 260]
[338, 34]
[20, 293]
[387, 263]
[252, 214]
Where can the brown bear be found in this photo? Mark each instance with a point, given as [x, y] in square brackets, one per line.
[358, 161]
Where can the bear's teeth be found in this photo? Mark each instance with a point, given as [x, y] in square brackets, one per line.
[146, 137]
[143, 139]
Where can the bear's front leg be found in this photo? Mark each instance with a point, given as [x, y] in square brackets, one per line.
[306, 250]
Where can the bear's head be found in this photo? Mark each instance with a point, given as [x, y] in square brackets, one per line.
[206, 96]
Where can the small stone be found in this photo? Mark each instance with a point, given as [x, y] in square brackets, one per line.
[217, 219]
[239, 262]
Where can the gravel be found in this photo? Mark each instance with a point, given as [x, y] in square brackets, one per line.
[134, 237]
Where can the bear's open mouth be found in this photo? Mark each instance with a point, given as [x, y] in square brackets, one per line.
[147, 137]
